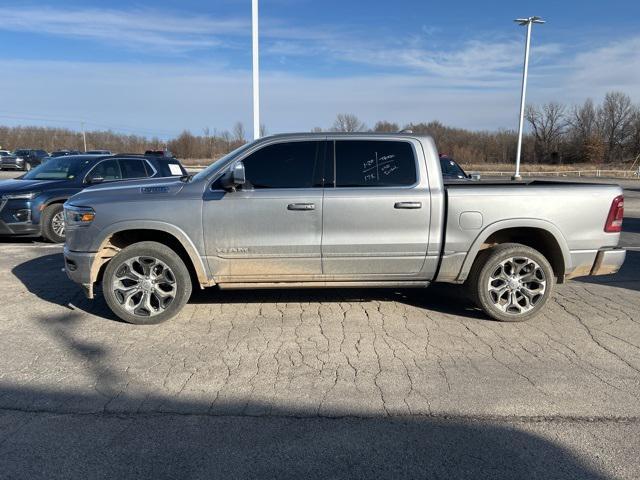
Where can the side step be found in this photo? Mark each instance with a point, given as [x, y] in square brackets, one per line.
[372, 284]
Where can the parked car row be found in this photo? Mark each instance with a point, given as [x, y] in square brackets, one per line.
[22, 159]
[25, 158]
[31, 205]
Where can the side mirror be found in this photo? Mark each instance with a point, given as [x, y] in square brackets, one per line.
[94, 180]
[235, 177]
[475, 176]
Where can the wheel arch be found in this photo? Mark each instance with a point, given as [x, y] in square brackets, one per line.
[47, 202]
[541, 235]
[120, 236]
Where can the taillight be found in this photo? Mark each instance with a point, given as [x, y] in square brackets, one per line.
[616, 213]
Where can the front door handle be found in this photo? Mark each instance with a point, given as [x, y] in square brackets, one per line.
[408, 205]
[301, 206]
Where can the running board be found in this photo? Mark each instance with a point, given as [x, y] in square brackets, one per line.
[373, 284]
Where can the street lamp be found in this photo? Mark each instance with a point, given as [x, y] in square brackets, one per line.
[522, 22]
[256, 70]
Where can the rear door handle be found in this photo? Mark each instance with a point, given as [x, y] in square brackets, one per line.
[301, 206]
[408, 205]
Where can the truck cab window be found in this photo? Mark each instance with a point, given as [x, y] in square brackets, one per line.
[285, 165]
[374, 163]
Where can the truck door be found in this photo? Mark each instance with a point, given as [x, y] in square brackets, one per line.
[271, 227]
[376, 217]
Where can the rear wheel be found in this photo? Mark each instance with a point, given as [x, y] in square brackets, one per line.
[53, 223]
[146, 283]
[511, 282]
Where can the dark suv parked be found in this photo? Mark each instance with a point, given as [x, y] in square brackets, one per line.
[24, 159]
[31, 205]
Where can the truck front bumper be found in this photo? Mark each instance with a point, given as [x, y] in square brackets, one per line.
[601, 262]
[78, 267]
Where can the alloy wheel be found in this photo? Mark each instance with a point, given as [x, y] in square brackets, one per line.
[516, 285]
[144, 286]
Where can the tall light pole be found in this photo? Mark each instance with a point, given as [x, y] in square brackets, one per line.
[84, 136]
[522, 22]
[256, 70]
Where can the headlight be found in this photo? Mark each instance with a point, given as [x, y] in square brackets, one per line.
[78, 215]
[20, 196]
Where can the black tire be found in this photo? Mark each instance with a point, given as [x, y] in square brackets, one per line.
[27, 167]
[496, 270]
[135, 262]
[50, 222]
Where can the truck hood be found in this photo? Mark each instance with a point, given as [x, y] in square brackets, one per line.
[15, 185]
[128, 190]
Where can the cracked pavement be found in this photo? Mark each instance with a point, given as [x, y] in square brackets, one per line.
[318, 383]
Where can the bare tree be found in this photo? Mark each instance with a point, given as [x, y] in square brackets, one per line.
[584, 134]
[263, 130]
[548, 125]
[239, 134]
[614, 118]
[386, 127]
[317, 130]
[584, 120]
[634, 140]
[347, 122]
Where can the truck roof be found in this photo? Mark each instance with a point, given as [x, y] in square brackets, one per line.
[345, 134]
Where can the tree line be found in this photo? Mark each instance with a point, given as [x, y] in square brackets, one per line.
[608, 132]
[605, 133]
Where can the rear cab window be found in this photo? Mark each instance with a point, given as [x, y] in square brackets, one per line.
[375, 163]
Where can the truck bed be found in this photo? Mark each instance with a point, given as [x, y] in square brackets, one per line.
[575, 213]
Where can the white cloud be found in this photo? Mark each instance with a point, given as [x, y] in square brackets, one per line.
[134, 28]
[474, 84]
[164, 99]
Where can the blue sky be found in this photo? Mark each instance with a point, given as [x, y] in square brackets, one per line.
[156, 68]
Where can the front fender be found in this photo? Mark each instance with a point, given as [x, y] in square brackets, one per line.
[102, 241]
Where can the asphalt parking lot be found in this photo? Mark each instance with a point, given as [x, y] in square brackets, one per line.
[319, 383]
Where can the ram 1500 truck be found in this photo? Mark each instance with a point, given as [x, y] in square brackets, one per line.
[337, 210]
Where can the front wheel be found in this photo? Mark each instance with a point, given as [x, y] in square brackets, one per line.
[511, 282]
[53, 223]
[146, 283]
[27, 167]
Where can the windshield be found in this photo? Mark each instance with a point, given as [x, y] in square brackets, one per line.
[19, 153]
[4, 154]
[58, 168]
[451, 168]
[221, 161]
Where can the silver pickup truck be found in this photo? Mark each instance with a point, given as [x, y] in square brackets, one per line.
[337, 210]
